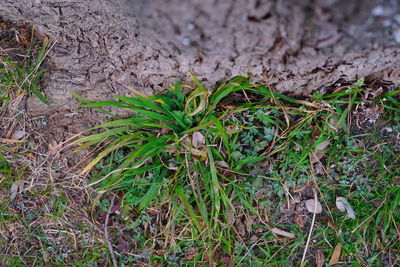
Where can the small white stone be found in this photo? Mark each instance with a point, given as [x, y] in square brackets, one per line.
[397, 18]
[190, 26]
[387, 23]
[378, 11]
[388, 129]
[186, 41]
[396, 35]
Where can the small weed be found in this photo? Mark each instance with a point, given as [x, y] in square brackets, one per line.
[20, 74]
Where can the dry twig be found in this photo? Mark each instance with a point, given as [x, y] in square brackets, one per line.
[109, 245]
[311, 228]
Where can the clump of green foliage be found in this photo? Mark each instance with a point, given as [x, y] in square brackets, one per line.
[21, 75]
[204, 159]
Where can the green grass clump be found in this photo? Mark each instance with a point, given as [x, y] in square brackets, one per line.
[21, 75]
[214, 166]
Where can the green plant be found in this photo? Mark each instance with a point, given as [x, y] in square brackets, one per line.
[206, 163]
[22, 76]
[174, 143]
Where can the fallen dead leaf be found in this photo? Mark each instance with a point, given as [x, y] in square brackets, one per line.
[248, 222]
[197, 139]
[253, 239]
[24, 39]
[10, 141]
[21, 186]
[226, 260]
[298, 219]
[343, 205]
[319, 168]
[46, 256]
[313, 206]
[18, 134]
[379, 244]
[328, 220]
[330, 224]
[191, 253]
[320, 258]
[316, 157]
[282, 233]
[316, 133]
[54, 149]
[323, 145]
[241, 229]
[30, 155]
[14, 190]
[308, 104]
[336, 254]
[261, 193]
[299, 189]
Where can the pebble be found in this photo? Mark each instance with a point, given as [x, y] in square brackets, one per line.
[186, 41]
[388, 129]
[397, 18]
[378, 11]
[396, 35]
[387, 23]
[190, 26]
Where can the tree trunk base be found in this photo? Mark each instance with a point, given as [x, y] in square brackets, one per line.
[294, 46]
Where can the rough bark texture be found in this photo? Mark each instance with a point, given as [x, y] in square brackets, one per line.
[297, 46]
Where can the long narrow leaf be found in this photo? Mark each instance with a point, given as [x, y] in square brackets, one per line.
[188, 208]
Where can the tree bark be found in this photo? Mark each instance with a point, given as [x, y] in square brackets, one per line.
[294, 46]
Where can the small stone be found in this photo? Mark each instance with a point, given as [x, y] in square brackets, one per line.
[190, 26]
[397, 18]
[387, 23]
[396, 35]
[186, 41]
[378, 11]
[388, 129]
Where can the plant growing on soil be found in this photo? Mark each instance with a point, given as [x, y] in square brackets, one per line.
[18, 76]
[208, 161]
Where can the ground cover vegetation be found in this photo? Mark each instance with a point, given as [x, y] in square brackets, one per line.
[234, 175]
[224, 176]
[41, 216]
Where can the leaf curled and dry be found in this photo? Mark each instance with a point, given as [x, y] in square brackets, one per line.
[14, 190]
[278, 231]
[344, 206]
[313, 206]
[197, 139]
[320, 258]
[336, 254]
[323, 145]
